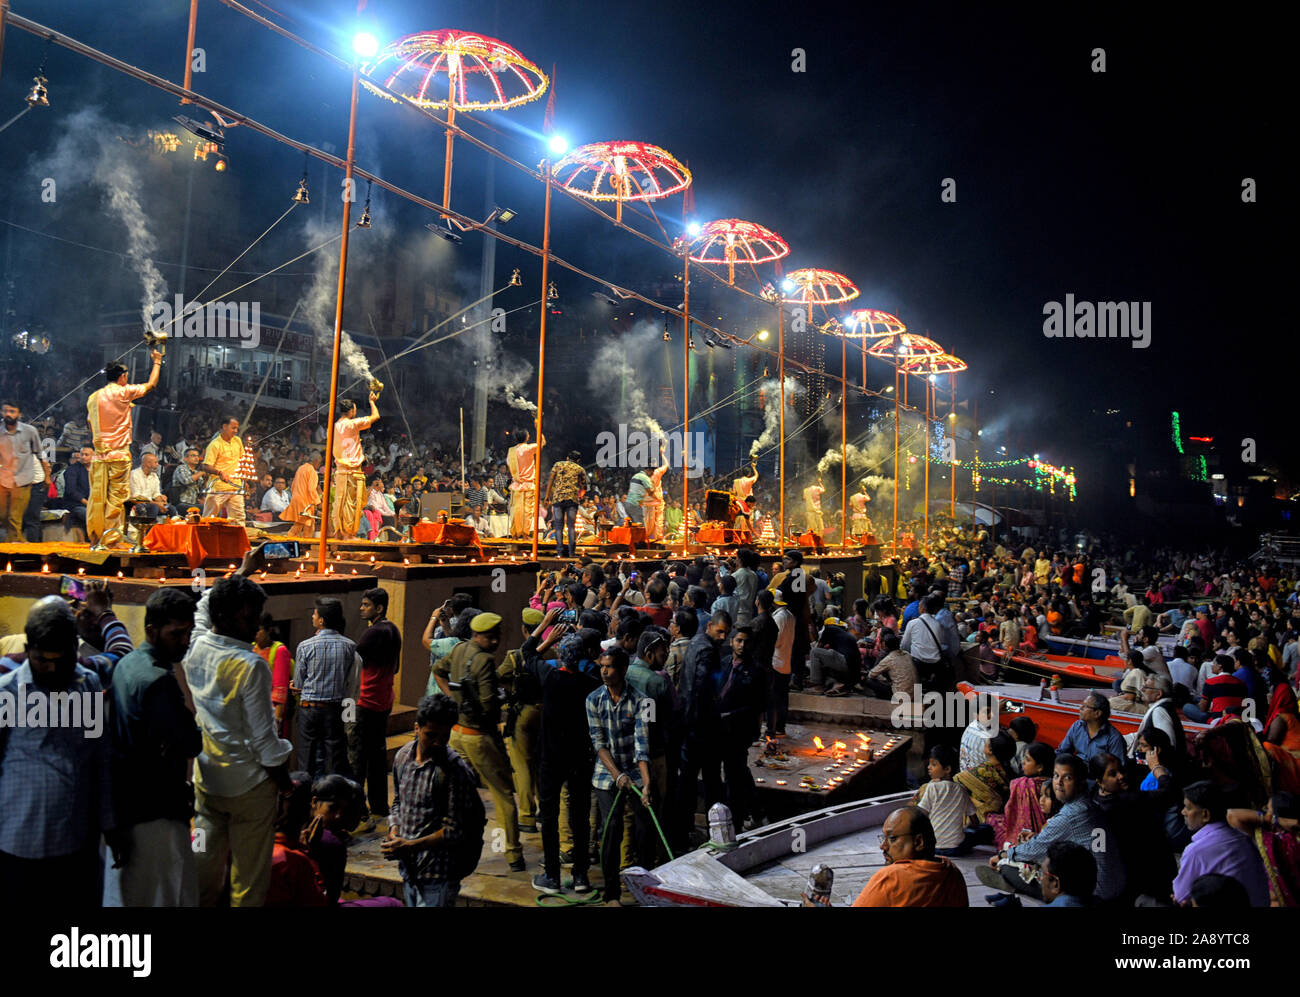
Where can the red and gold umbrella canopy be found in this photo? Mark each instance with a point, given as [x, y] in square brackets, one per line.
[905, 345]
[870, 323]
[939, 363]
[456, 69]
[817, 287]
[621, 171]
[729, 241]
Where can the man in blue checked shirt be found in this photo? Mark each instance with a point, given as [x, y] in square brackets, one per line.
[326, 673]
[55, 775]
[618, 718]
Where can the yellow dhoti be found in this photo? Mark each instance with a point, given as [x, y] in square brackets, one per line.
[815, 523]
[349, 501]
[654, 519]
[521, 511]
[109, 484]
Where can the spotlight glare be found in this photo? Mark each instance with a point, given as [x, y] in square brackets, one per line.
[762, 335]
[365, 45]
[558, 144]
[693, 229]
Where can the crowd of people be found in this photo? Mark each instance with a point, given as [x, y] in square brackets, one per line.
[1204, 816]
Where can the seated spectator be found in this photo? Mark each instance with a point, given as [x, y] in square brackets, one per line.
[1217, 892]
[894, 675]
[947, 804]
[988, 782]
[1025, 732]
[1023, 815]
[978, 731]
[1274, 835]
[1092, 732]
[1069, 875]
[912, 876]
[295, 878]
[1216, 847]
[1076, 819]
[1137, 822]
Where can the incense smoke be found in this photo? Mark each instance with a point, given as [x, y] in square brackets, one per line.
[771, 393]
[89, 153]
[319, 303]
[614, 373]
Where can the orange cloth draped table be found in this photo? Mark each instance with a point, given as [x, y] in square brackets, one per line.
[632, 535]
[723, 535]
[455, 534]
[199, 542]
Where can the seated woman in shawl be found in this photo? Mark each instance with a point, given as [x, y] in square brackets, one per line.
[1023, 811]
[1276, 833]
[1231, 754]
[988, 782]
[1282, 733]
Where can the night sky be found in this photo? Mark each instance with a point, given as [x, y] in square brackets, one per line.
[1123, 185]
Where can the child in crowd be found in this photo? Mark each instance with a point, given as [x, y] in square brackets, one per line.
[1023, 815]
[1024, 730]
[948, 804]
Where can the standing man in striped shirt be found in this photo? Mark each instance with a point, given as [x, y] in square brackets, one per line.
[325, 680]
[109, 413]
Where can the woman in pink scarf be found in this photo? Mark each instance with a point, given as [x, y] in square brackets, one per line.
[1023, 812]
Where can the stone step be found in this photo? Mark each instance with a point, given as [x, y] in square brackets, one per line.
[401, 720]
[394, 742]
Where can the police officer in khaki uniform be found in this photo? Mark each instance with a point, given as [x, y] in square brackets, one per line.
[469, 675]
[523, 726]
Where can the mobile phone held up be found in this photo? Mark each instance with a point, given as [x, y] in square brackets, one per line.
[73, 588]
[280, 550]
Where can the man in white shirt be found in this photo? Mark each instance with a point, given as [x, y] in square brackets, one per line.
[276, 499]
[782, 660]
[1184, 672]
[922, 641]
[145, 484]
[154, 446]
[243, 761]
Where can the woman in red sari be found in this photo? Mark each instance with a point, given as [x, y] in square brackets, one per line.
[1282, 734]
[1274, 831]
[1023, 811]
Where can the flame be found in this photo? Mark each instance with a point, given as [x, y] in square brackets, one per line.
[839, 746]
[818, 742]
[863, 738]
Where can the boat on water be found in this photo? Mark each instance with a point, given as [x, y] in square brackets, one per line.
[770, 866]
[1072, 670]
[1096, 647]
[1055, 717]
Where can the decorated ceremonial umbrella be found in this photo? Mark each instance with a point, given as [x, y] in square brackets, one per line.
[808, 287]
[621, 171]
[635, 171]
[898, 348]
[929, 367]
[456, 70]
[729, 241]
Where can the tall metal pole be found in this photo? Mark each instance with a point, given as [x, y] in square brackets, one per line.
[189, 45]
[541, 350]
[952, 420]
[929, 389]
[4, 13]
[322, 555]
[686, 398]
[780, 373]
[844, 442]
[975, 469]
[898, 477]
[487, 279]
[451, 120]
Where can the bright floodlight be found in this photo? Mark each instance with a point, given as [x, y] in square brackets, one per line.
[762, 335]
[788, 285]
[693, 229]
[365, 45]
[558, 145]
